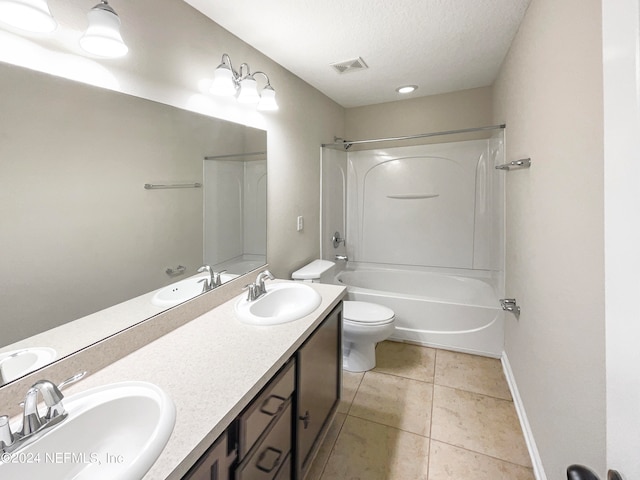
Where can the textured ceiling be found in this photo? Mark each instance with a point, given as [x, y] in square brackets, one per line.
[439, 45]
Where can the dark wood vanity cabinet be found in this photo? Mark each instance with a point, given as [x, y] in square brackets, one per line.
[319, 379]
[278, 434]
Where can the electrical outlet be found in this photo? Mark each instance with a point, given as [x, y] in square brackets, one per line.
[300, 224]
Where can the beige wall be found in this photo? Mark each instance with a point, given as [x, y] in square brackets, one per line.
[171, 60]
[549, 93]
[435, 113]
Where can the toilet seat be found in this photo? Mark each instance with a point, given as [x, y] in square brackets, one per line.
[365, 313]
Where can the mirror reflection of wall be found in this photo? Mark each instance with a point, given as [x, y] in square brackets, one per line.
[79, 231]
[235, 211]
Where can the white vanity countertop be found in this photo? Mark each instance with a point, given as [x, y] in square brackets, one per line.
[211, 367]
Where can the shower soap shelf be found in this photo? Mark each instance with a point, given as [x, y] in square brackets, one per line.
[413, 196]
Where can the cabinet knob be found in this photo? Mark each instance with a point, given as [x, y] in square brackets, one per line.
[306, 419]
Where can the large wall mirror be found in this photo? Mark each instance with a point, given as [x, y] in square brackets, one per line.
[106, 199]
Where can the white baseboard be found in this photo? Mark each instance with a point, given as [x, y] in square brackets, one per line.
[538, 469]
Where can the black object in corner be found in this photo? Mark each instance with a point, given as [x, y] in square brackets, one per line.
[580, 472]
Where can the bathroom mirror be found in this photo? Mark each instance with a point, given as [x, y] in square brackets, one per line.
[106, 198]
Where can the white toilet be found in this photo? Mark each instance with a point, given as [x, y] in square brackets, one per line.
[363, 323]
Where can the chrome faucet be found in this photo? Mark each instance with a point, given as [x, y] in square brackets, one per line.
[32, 423]
[52, 396]
[265, 274]
[214, 280]
[257, 289]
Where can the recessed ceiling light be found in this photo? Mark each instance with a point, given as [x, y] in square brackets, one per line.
[407, 89]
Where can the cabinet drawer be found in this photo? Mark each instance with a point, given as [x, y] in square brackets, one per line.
[271, 453]
[265, 409]
[285, 471]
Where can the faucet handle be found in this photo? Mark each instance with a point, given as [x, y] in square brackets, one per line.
[78, 376]
[6, 436]
[206, 284]
[215, 276]
[252, 291]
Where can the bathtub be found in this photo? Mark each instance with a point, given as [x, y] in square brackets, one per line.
[432, 308]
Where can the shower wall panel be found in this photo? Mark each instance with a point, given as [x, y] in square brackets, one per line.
[235, 211]
[427, 205]
[334, 206]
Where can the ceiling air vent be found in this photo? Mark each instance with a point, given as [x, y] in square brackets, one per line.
[350, 65]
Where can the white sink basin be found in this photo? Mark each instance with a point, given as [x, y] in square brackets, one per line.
[112, 432]
[17, 363]
[184, 290]
[283, 302]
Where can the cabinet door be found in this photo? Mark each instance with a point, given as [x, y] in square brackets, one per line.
[213, 465]
[319, 380]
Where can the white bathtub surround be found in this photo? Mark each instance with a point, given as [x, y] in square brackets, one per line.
[457, 310]
[424, 229]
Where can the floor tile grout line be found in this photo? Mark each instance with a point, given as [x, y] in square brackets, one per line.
[475, 393]
[481, 453]
[385, 425]
[333, 446]
[433, 393]
[401, 376]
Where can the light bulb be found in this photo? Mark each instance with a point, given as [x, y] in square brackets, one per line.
[268, 100]
[30, 15]
[248, 90]
[102, 37]
[223, 84]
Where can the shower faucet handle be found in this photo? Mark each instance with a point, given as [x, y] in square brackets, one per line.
[337, 240]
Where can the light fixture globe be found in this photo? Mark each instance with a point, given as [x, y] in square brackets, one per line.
[223, 84]
[248, 90]
[30, 15]
[102, 37]
[267, 101]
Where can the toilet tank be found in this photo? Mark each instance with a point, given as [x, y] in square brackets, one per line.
[314, 271]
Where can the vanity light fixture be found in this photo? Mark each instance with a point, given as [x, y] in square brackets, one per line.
[102, 37]
[227, 82]
[407, 89]
[30, 15]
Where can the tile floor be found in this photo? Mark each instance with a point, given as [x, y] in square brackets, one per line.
[424, 414]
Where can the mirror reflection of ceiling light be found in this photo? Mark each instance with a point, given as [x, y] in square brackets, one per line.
[102, 37]
[407, 89]
[30, 15]
[227, 82]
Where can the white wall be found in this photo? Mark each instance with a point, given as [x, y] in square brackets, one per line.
[173, 50]
[549, 93]
[621, 52]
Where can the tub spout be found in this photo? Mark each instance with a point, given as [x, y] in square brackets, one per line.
[342, 257]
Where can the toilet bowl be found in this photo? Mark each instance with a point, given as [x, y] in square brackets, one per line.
[363, 323]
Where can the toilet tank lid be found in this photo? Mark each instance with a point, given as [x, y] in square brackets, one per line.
[313, 270]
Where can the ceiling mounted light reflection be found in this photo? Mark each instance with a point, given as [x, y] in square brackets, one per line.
[407, 89]
[30, 15]
[228, 82]
[102, 37]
